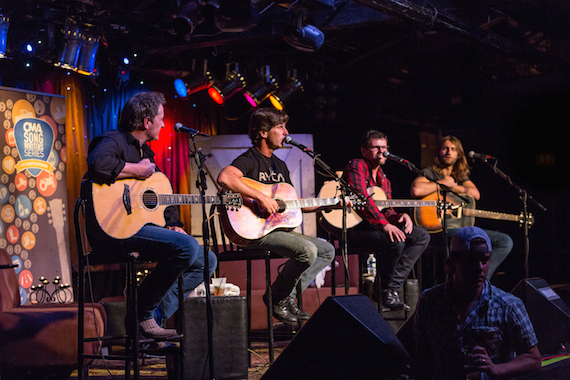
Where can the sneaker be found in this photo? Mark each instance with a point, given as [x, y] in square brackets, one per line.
[150, 329]
[281, 311]
[391, 300]
[296, 310]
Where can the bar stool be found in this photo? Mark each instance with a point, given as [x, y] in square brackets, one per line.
[230, 252]
[132, 341]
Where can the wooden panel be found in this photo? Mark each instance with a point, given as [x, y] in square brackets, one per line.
[225, 148]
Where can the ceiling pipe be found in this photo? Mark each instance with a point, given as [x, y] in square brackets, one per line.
[428, 16]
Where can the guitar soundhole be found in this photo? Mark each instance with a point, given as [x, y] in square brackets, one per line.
[150, 199]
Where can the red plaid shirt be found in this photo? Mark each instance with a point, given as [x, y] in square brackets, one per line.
[359, 175]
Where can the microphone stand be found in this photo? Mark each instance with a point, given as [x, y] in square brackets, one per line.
[343, 186]
[202, 187]
[444, 206]
[526, 218]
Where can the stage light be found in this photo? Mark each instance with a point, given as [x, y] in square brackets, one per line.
[232, 83]
[188, 17]
[304, 37]
[261, 89]
[4, 26]
[194, 82]
[68, 53]
[236, 16]
[123, 76]
[88, 55]
[292, 86]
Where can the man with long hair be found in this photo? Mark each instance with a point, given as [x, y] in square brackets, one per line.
[452, 170]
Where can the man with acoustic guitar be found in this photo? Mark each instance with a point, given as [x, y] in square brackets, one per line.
[256, 174]
[123, 154]
[394, 233]
[452, 170]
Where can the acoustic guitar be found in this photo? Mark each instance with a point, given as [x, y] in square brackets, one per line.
[461, 214]
[333, 218]
[250, 222]
[125, 206]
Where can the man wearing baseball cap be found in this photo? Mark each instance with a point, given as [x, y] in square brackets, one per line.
[468, 328]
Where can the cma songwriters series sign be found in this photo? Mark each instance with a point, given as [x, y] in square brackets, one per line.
[33, 217]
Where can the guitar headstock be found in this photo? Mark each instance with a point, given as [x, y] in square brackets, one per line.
[528, 219]
[357, 202]
[231, 200]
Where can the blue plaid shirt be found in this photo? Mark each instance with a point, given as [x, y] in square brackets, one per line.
[498, 322]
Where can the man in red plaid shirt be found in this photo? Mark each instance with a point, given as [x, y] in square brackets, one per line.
[400, 242]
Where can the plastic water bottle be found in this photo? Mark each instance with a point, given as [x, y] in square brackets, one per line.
[371, 265]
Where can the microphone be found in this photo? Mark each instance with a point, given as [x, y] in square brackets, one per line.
[178, 127]
[289, 140]
[484, 157]
[394, 157]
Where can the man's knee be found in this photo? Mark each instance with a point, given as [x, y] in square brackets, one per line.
[307, 254]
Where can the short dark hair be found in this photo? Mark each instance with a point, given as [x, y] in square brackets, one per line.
[371, 134]
[138, 107]
[262, 120]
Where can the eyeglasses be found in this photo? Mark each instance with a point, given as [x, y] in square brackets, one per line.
[379, 148]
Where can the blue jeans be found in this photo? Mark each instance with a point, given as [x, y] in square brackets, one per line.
[308, 255]
[193, 277]
[502, 245]
[174, 252]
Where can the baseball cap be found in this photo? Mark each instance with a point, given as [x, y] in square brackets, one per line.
[462, 240]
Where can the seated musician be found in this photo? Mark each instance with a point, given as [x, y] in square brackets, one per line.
[124, 153]
[451, 169]
[308, 255]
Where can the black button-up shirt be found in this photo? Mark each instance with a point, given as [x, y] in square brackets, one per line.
[107, 156]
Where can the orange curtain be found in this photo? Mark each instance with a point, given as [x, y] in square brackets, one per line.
[76, 138]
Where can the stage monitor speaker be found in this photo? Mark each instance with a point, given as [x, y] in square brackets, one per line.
[550, 316]
[229, 340]
[346, 338]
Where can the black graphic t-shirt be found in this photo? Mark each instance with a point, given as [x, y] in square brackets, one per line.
[263, 169]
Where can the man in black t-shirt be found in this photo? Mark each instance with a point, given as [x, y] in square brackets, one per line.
[267, 129]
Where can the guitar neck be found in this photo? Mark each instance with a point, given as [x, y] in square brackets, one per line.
[491, 215]
[310, 202]
[387, 203]
[186, 199]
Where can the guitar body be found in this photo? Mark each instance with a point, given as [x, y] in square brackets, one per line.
[333, 218]
[430, 217]
[248, 223]
[115, 218]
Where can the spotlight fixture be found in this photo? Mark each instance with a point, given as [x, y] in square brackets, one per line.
[194, 82]
[188, 17]
[232, 83]
[68, 53]
[261, 89]
[292, 86]
[4, 25]
[304, 37]
[236, 16]
[88, 55]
